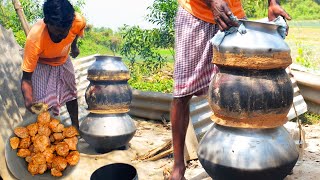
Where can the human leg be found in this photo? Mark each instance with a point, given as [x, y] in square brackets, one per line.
[192, 73]
[179, 120]
[72, 107]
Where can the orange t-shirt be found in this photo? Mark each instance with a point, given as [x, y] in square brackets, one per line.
[40, 48]
[199, 9]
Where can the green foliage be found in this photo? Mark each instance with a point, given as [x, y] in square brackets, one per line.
[298, 9]
[303, 9]
[20, 37]
[143, 79]
[309, 118]
[303, 57]
[163, 13]
[139, 43]
[99, 41]
[255, 8]
[146, 44]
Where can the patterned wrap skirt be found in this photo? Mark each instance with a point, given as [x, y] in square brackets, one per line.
[54, 85]
[193, 69]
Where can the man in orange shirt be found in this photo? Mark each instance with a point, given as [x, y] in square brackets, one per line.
[196, 23]
[48, 74]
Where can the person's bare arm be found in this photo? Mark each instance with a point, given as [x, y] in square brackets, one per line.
[26, 88]
[275, 10]
[74, 48]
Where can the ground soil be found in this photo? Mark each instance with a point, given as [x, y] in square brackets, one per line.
[309, 169]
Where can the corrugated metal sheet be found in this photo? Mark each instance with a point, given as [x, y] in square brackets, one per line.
[309, 85]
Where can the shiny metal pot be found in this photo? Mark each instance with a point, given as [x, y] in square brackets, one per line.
[228, 153]
[108, 91]
[261, 47]
[106, 132]
[108, 68]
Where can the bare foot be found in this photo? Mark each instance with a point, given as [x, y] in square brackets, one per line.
[178, 172]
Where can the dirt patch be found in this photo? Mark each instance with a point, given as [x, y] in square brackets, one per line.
[309, 169]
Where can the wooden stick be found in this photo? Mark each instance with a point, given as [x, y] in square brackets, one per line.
[23, 20]
[161, 155]
[155, 151]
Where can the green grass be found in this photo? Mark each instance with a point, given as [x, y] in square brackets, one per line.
[87, 48]
[309, 118]
[167, 53]
[304, 37]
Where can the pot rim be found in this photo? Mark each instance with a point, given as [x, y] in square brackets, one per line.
[99, 57]
[268, 24]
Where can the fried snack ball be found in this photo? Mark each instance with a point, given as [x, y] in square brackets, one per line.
[48, 153]
[25, 143]
[32, 129]
[55, 172]
[43, 118]
[73, 158]
[14, 142]
[58, 136]
[21, 132]
[39, 158]
[53, 123]
[41, 143]
[69, 132]
[72, 142]
[42, 168]
[44, 130]
[23, 153]
[33, 138]
[62, 149]
[59, 128]
[33, 168]
[51, 138]
[28, 159]
[59, 163]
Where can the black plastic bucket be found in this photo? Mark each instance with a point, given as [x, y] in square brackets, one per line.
[117, 171]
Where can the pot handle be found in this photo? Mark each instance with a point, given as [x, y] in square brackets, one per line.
[218, 38]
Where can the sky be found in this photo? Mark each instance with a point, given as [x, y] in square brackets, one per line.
[115, 13]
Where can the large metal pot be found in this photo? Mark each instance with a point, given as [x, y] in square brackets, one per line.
[250, 98]
[106, 132]
[108, 97]
[228, 153]
[108, 68]
[261, 47]
[108, 91]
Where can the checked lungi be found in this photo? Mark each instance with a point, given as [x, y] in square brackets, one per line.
[54, 85]
[193, 69]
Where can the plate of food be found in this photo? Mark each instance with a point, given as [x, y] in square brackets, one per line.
[42, 148]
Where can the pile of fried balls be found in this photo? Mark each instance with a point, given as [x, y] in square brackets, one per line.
[46, 145]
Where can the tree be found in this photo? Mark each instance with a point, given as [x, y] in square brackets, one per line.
[163, 13]
[145, 44]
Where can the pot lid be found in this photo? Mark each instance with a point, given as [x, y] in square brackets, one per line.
[108, 68]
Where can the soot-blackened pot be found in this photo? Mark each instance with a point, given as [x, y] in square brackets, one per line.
[228, 153]
[250, 98]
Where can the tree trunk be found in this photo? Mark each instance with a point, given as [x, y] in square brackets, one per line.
[23, 20]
